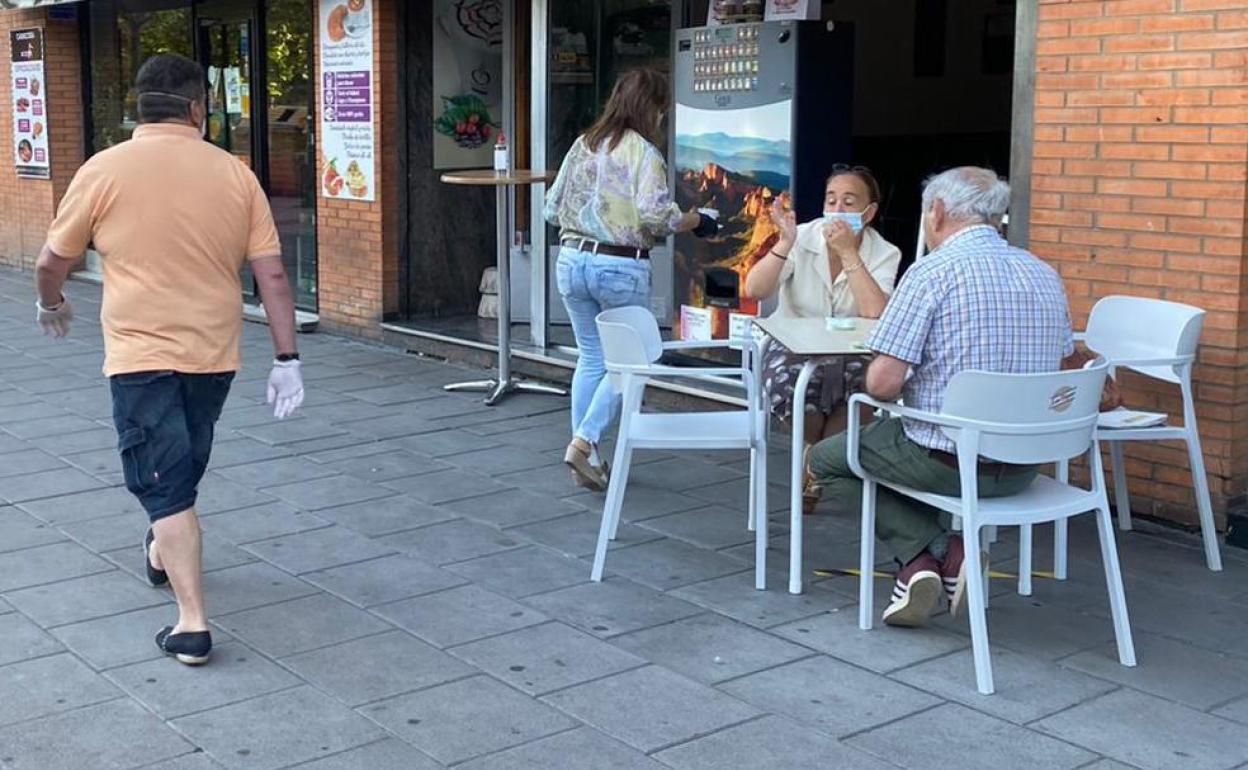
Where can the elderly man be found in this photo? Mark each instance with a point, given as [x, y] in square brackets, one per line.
[174, 218]
[975, 302]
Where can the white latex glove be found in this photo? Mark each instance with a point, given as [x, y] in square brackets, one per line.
[55, 320]
[285, 388]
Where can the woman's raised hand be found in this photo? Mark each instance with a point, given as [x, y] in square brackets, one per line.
[785, 221]
[841, 240]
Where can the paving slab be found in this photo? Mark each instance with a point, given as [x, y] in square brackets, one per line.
[42, 686]
[379, 581]
[1037, 627]
[465, 719]
[299, 625]
[250, 585]
[712, 527]
[278, 730]
[553, 479]
[442, 442]
[389, 754]
[389, 464]
[881, 649]
[1152, 733]
[172, 690]
[830, 695]
[328, 492]
[952, 737]
[640, 502]
[114, 735]
[523, 571]
[83, 441]
[47, 564]
[459, 615]
[613, 607]
[46, 484]
[558, 750]
[117, 640]
[1173, 670]
[240, 450]
[445, 486]
[377, 667]
[95, 504]
[667, 564]
[247, 525]
[270, 473]
[577, 535]
[512, 508]
[682, 473]
[710, 648]
[19, 530]
[1027, 688]
[57, 425]
[651, 708]
[545, 658]
[24, 640]
[768, 742]
[218, 494]
[196, 760]
[736, 597]
[29, 461]
[85, 598]
[1235, 710]
[453, 541]
[386, 515]
[317, 549]
[108, 533]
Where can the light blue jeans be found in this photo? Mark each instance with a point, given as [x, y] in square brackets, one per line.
[590, 284]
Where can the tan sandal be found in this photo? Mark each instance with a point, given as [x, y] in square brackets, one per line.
[584, 473]
[811, 491]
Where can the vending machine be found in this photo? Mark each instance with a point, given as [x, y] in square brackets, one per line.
[762, 113]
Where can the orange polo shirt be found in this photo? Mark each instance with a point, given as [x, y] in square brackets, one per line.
[173, 218]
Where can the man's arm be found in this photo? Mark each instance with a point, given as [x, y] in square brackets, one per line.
[279, 303]
[885, 376]
[51, 272]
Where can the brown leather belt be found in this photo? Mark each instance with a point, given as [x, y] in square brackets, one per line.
[610, 249]
[985, 466]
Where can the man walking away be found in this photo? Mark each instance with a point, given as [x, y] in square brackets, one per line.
[173, 218]
[975, 302]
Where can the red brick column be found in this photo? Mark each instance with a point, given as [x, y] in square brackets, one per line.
[29, 204]
[358, 242]
[1138, 187]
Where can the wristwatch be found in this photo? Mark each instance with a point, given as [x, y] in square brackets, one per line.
[284, 357]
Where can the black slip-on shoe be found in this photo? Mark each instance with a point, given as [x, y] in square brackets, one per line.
[192, 648]
[157, 577]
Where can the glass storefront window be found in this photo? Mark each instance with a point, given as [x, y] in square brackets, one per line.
[123, 36]
[292, 144]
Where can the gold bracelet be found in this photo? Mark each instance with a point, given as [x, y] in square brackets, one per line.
[847, 269]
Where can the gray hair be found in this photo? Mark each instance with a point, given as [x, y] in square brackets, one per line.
[970, 194]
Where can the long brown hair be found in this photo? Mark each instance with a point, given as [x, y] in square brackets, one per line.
[636, 102]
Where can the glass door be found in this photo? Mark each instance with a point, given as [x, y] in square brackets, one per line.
[258, 60]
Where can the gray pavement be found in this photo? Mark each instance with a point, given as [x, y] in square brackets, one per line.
[398, 578]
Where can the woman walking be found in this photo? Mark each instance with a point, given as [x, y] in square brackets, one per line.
[611, 204]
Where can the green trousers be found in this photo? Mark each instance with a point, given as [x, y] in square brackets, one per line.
[905, 526]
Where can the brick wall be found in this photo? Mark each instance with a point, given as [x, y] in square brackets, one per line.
[1138, 187]
[29, 204]
[357, 242]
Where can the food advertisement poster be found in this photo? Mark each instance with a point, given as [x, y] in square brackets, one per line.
[793, 10]
[30, 104]
[467, 82]
[348, 139]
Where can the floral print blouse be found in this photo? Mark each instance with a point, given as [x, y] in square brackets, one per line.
[618, 197]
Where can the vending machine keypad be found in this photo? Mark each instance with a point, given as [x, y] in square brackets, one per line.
[726, 59]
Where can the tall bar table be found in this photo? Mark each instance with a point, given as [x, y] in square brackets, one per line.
[504, 383]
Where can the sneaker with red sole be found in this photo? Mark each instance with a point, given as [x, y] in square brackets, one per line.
[916, 593]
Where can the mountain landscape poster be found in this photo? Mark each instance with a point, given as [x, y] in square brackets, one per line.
[737, 162]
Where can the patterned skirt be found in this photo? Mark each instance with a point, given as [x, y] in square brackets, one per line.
[830, 386]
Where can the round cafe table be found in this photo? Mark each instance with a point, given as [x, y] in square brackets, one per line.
[504, 383]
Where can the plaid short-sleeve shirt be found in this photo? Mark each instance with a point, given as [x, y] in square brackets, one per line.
[975, 303]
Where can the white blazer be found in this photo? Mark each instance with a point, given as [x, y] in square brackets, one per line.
[807, 288]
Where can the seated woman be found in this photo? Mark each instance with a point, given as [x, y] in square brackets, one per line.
[834, 266]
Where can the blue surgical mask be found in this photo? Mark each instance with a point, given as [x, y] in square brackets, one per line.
[851, 218]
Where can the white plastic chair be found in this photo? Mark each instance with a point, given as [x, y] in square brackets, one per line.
[1028, 419]
[1157, 339]
[632, 346]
